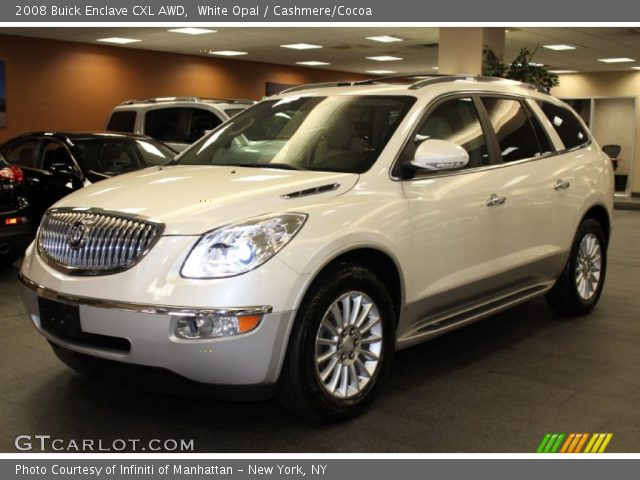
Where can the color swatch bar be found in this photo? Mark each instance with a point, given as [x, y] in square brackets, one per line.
[574, 443]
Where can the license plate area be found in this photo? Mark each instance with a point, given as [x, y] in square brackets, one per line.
[60, 318]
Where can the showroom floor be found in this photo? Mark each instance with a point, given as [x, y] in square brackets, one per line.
[497, 386]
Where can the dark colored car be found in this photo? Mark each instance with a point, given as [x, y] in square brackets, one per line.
[16, 226]
[55, 164]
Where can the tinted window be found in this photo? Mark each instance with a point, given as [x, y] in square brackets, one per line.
[179, 124]
[201, 122]
[232, 112]
[124, 121]
[164, 124]
[566, 124]
[113, 156]
[456, 121]
[541, 134]
[336, 133]
[55, 154]
[515, 133]
[22, 153]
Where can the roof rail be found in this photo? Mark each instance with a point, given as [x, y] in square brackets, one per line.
[309, 86]
[189, 99]
[441, 78]
[423, 80]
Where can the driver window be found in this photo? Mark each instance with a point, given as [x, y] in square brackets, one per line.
[455, 121]
[54, 153]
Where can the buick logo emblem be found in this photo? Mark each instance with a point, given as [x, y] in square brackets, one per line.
[77, 235]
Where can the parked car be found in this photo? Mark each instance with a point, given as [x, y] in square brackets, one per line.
[55, 164]
[16, 226]
[298, 245]
[176, 121]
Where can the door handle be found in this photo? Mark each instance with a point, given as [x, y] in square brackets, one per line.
[495, 200]
[561, 185]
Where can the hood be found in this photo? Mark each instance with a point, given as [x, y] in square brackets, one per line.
[192, 199]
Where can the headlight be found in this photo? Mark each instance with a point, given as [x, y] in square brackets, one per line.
[238, 248]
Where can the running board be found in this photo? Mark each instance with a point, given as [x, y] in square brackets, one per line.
[434, 326]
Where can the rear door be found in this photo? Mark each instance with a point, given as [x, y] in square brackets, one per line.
[540, 196]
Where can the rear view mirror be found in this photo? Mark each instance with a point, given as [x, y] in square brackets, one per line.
[438, 155]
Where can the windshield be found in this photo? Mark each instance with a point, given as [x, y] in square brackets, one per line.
[116, 155]
[337, 133]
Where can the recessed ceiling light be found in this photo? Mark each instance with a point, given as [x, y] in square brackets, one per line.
[118, 40]
[384, 58]
[636, 68]
[563, 71]
[435, 68]
[192, 30]
[301, 46]
[312, 63]
[227, 53]
[381, 72]
[616, 60]
[559, 47]
[385, 38]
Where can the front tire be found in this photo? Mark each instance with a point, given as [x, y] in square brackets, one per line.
[578, 289]
[340, 347]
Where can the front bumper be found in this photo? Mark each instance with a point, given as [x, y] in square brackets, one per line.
[253, 358]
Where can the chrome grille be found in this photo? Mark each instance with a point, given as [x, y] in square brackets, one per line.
[94, 242]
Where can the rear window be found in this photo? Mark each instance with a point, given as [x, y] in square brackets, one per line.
[232, 112]
[179, 124]
[124, 121]
[566, 123]
[516, 135]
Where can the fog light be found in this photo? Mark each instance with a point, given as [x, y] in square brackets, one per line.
[214, 326]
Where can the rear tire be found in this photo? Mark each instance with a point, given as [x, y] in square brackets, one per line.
[578, 289]
[340, 347]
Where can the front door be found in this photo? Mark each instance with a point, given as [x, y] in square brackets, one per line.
[460, 219]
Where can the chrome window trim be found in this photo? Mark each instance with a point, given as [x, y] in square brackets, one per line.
[439, 98]
[171, 310]
[92, 272]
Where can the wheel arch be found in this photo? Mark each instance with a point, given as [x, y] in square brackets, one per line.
[384, 265]
[601, 215]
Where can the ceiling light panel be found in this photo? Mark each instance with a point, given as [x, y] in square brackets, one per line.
[301, 46]
[560, 47]
[384, 58]
[616, 60]
[227, 53]
[385, 38]
[192, 30]
[118, 40]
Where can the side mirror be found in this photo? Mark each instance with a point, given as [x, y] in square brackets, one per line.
[436, 155]
[60, 168]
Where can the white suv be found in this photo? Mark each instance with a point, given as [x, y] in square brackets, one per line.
[293, 249]
[175, 121]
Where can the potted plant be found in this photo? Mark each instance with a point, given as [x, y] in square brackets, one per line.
[522, 68]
